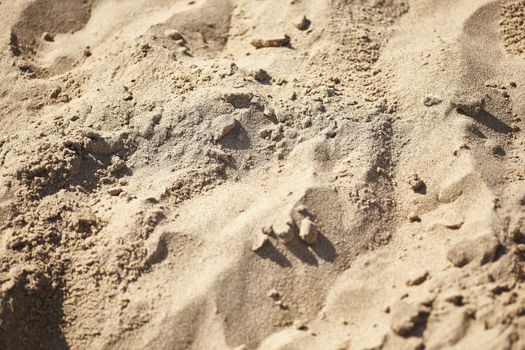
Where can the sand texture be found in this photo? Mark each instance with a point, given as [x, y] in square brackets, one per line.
[262, 174]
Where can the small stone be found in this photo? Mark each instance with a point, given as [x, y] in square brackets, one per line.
[85, 222]
[173, 34]
[259, 242]
[319, 107]
[454, 225]
[127, 95]
[300, 325]
[270, 114]
[413, 217]
[87, 51]
[222, 126]
[47, 36]
[263, 43]
[308, 231]
[114, 191]
[218, 154]
[307, 122]
[260, 75]
[117, 165]
[417, 278]
[265, 133]
[469, 107]
[330, 134]
[283, 117]
[498, 150]
[430, 101]
[274, 294]
[284, 232]
[415, 182]
[303, 23]
[453, 297]
[56, 91]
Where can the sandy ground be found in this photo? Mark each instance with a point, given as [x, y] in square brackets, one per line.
[262, 174]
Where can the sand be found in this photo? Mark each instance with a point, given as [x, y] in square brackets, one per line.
[240, 174]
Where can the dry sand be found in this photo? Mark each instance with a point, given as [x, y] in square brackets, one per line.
[242, 174]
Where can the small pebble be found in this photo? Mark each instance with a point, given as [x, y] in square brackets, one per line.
[417, 278]
[303, 23]
[274, 294]
[454, 297]
[259, 242]
[300, 325]
[307, 122]
[47, 36]
[270, 114]
[308, 231]
[280, 42]
[471, 107]
[415, 182]
[173, 34]
[280, 154]
[56, 91]
[413, 217]
[430, 101]
[115, 191]
[222, 126]
[284, 232]
[330, 134]
[260, 75]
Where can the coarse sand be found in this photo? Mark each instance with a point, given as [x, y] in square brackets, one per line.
[262, 174]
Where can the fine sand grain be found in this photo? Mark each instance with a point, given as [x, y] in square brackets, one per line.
[241, 174]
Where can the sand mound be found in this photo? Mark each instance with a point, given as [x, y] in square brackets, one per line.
[224, 174]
